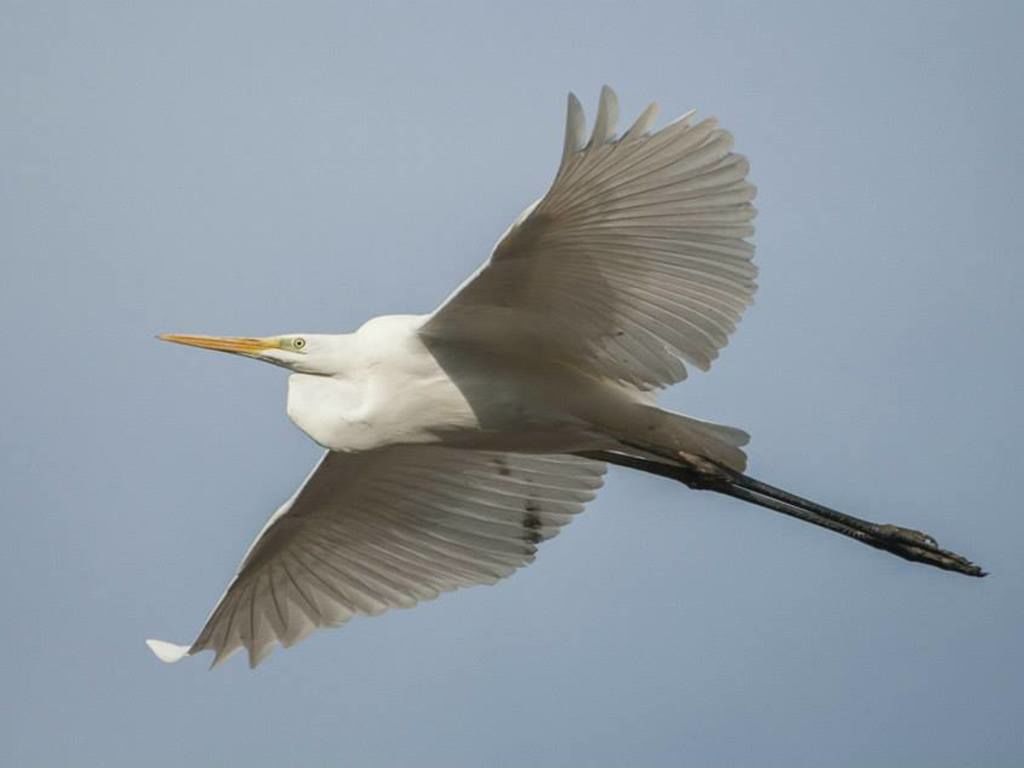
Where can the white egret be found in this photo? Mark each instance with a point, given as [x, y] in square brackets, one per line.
[459, 440]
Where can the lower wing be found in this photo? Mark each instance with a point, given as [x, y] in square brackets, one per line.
[386, 529]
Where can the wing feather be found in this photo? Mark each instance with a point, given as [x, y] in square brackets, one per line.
[635, 260]
[385, 529]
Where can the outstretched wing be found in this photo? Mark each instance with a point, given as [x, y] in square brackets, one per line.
[385, 529]
[635, 260]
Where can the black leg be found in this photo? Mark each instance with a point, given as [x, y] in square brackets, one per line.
[703, 475]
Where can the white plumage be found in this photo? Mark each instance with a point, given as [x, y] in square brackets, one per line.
[458, 441]
[634, 260]
[386, 529]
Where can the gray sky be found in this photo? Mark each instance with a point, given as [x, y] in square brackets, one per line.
[256, 168]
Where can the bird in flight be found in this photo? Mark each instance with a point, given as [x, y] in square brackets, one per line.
[456, 442]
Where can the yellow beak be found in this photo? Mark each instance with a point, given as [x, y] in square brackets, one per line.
[239, 345]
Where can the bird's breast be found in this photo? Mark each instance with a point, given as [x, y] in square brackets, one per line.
[377, 409]
[327, 409]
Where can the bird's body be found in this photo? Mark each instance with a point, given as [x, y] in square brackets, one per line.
[458, 441]
[391, 389]
[392, 385]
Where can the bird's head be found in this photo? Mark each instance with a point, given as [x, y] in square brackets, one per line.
[304, 353]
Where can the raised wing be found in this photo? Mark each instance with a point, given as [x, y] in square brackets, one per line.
[385, 529]
[635, 260]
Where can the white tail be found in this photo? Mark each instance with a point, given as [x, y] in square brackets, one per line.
[676, 432]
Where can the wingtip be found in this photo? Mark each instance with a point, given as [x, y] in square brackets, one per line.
[607, 117]
[642, 125]
[167, 652]
[575, 127]
[573, 108]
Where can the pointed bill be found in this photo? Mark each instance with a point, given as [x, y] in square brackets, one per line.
[240, 345]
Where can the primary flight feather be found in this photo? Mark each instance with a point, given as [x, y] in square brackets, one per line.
[458, 441]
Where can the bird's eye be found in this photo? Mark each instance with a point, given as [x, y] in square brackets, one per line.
[299, 343]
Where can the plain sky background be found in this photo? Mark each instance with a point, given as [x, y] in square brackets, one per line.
[256, 168]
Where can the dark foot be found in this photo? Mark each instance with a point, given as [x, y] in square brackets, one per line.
[922, 548]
